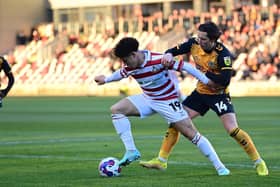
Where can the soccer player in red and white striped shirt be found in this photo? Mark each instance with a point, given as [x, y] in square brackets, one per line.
[159, 96]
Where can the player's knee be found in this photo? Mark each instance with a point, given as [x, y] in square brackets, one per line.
[119, 109]
[115, 109]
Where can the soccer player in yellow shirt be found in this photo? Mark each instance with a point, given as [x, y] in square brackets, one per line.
[214, 59]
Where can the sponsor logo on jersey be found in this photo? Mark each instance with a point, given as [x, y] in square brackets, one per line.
[227, 61]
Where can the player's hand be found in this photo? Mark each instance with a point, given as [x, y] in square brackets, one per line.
[100, 79]
[167, 59]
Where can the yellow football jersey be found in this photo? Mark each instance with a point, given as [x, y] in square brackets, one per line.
[215, 61]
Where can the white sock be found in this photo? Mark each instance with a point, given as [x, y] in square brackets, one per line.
[162, 159]
[207, 150]
[122, 126]
[258, 161]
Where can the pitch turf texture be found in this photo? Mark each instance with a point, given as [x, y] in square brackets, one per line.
[59, 141]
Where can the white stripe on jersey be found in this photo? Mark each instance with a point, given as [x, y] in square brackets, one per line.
[153, 77]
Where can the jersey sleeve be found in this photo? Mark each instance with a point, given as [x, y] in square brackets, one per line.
[185, 66]
[116, 76]
[225, 65]
[182, 48]
[225, 60]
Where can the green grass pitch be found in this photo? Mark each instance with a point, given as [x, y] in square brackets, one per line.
[59, 141]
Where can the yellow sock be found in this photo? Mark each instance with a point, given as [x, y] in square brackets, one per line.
[170, 139]
[245, 142]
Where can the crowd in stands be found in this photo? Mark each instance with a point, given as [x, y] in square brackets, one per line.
[254, 39]
[251, 34]
[60, 56]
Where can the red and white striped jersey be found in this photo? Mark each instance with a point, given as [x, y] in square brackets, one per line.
[153, 77]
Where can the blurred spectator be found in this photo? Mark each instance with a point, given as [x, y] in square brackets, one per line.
[21, 38]
[251, 35]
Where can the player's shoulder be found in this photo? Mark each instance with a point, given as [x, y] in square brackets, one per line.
[190, 42]
[224, 55]
[222, 50]
[194, 40]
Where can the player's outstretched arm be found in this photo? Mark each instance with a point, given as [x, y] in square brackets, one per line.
[101, 79]
[195, 72]
[168, 61]
[200, 76]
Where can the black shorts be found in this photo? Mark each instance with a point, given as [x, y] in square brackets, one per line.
[201, 103]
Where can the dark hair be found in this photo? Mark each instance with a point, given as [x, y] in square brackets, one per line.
[125, 47]
[212, 30]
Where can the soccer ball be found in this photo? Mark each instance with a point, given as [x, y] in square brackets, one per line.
[109, 167]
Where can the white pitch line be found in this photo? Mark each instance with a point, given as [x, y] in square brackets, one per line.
[18, 156]
[80, 139]
[61, 157]
[66, 140]
[227, 164]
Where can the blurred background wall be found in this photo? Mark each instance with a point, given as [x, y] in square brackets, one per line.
[56, 47]
[18, 17]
